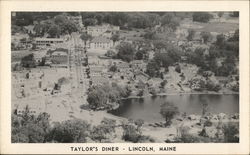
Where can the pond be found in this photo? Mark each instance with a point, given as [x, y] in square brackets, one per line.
[148, 108]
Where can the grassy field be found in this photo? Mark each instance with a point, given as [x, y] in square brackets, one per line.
[219, 27]
[18, 55]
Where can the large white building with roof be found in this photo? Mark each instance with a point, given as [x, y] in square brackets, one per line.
[101, 43]
[45, 42]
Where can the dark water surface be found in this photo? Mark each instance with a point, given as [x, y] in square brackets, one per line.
[148, 108]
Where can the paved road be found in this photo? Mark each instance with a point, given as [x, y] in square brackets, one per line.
[76, 53]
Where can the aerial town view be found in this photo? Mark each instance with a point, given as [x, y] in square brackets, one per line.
[125, 77]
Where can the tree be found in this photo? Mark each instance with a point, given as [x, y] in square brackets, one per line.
[197, 57]
[28, 61]
[231, 133]
[67, 26]
[149, 35]
[206, 36]
[97, 97]
[163, 83]
[115, 37]
[89, 22]
[203, 17]
[102, 131]
[113, 68]
[191, 34]
[54, 31]
[170, 21]
[24, 18]
[139, 123]
[220, 14]
[235, 14]
[153, 69]
[29, 128]
[235, 36]
[126, 52]
[139, 55]
[220, 40]
[70, 131]
[130, 133]
[168, 111]
[105, 96]
[85, 37]
[178, 68]
[110, 53]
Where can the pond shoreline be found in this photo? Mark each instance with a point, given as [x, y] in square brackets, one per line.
[183, 93]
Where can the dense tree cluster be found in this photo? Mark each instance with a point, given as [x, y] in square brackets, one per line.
[132, 132]
[165, 56]
[223, 50]
[106, 96]
[102, 132]
[126, 51]
[203, 17]
[29, 128]
[28, 61]
[56, 27]
[170, 20]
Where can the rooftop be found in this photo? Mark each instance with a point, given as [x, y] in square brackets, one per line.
[100, 40]
[48, 39]
[59, 53]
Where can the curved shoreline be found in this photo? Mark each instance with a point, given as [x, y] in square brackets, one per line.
[184, 93]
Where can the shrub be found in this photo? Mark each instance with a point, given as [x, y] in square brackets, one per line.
[70, 131]
[113, 68]
[208, 123]
[130, 133]
[230, 133]
[178, 69]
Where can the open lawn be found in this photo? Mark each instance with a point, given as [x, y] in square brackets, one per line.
[219, 27]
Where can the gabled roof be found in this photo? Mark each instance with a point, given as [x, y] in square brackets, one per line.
[59, 53]
[48, 39]
[100, 40]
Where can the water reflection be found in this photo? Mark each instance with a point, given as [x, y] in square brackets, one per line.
[148, 108]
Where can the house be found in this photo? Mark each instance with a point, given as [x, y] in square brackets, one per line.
[139, 65]
[101, 43]
[99, 30]
[34, 107]
[123, 66]
[96, 69]
[141, 76]
[96, 30]
[140, 84]
[59, 57]
[97, 80]
[45, 42]
[25, 43]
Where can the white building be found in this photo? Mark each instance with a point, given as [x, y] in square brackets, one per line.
[99, 30]
[45, 42]
[101, 43]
